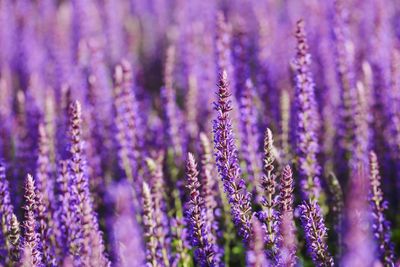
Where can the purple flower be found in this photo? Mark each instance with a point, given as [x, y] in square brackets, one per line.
[380, 225]
[89, 241]
[44, 194]
[287, 228]
[316, 234]
[149, 225]
[32, 242]
[173, 117]
[66, 227]
[161, 229]
[6, 209]
[249, 133]
[126, 123]
[344, 54]
[199, 231]
[307, 119]
[269, 215]
[227, 162]
[209, 190]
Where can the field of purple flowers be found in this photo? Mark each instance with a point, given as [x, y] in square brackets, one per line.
[190, 133]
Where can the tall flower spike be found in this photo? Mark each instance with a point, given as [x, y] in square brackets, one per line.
[195, 215]
[227, 162]
[344, 54]
[91, 245]
[287, 228]
[316, 234]
[126, 107]
[126, 123]
[306, 132]
[250, 134]
[149, 226]
[67, 228]
[161, 230]
[269, 215]
[361, 130]
[209, 185]
[31, 237]
[44, 194]
[224, 61]
[6, 210]
[380, 225]
[173, 116]
[255, 255]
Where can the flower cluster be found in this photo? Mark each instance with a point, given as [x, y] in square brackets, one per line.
[199, 133]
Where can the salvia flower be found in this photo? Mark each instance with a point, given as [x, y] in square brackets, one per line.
[126, 121]
[161, 230]
[195, 215]
[173, 117]
[209, 190]
[344, 54]
[6, 209]
[44, 195]
[91, 236]
[287, 229]
[66, 229]
[249, 133]
[227, 162]
[269, 215]
[32, 242]
[380, 225]
[126, 124]
[306, 132]
[316, 234]
[149, 226]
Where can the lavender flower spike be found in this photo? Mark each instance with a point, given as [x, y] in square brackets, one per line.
[380, 226]
[316, 234]
[149, 226]
[31, 236]
[307, 143]
[255, 254]
[227, 162]
[6, 209]
[209, 183]
[287, 228]
[269, 214]
[44, 195]
[195, 214]
[249, 133]
[92, 246]
[161, 230]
